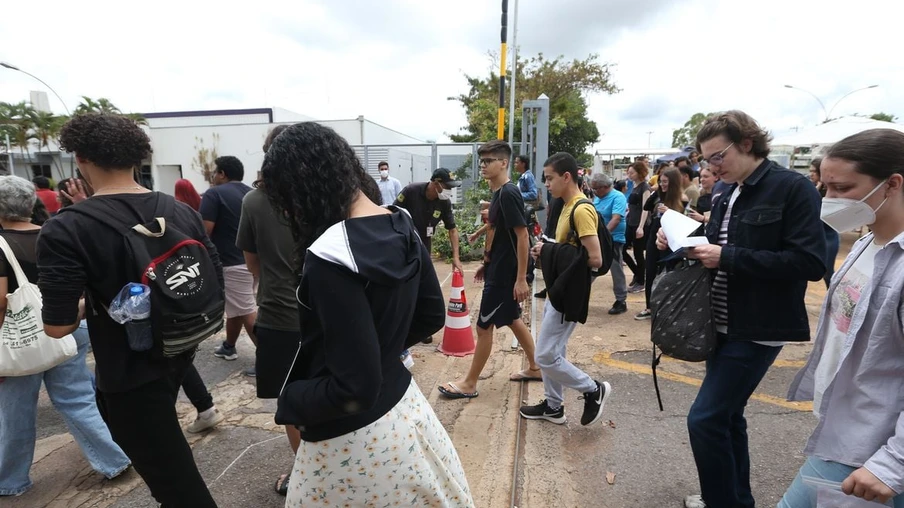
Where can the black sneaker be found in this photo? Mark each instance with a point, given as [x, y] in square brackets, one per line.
[428, 340]
[594, 402]
[540, 294]
[542, 412]
[618, 308]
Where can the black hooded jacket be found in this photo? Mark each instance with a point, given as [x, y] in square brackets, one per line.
[368, 291]
[568, 279]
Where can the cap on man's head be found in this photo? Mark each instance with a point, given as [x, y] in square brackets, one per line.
[443, 175]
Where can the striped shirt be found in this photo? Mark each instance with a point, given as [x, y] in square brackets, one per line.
[720, 283]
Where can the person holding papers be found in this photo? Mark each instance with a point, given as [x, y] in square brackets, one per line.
[765, 241]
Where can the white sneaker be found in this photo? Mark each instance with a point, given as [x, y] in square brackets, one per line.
[695, 501]
[206, 420]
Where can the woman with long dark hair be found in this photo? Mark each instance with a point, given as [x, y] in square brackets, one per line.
[367, 292]
[637, 221]
[853, 375]
[668, 196]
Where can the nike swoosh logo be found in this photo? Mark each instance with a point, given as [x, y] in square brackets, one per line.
[490, 315]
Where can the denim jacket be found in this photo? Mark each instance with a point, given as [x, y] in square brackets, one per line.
[775, 245]
[862, 411]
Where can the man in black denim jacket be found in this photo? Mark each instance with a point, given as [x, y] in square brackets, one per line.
[766, 242]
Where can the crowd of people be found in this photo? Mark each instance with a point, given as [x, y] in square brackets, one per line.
[317, 239]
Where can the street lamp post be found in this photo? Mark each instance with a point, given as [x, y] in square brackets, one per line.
[847, 94]
[828, 114]
[68, 113]
[14, 68]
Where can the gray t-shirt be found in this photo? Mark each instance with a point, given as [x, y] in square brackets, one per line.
[262, 232]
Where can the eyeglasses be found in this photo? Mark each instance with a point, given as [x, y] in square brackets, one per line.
[488, 161]
[718, 158]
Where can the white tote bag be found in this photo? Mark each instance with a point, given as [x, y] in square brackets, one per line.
[24, 348]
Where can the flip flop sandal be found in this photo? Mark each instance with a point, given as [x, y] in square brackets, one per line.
[456, 392]
[525, 375]
[282, 484]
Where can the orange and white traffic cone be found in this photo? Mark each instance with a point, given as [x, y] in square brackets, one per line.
[458, 337]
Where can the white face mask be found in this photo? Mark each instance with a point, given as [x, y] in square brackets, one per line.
[384, 173]
[445, 194]
[844, 214]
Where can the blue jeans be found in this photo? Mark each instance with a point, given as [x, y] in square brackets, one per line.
[71, 390]
[716, 423]
[801, 495]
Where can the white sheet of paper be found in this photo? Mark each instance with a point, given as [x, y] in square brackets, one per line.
[693, 241]
[677, 228]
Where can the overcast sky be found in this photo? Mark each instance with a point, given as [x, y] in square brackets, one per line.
[396, 61]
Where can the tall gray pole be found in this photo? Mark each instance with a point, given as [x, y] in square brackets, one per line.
[514, 77]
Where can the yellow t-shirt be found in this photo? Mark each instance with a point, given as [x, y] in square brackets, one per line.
[585, 221]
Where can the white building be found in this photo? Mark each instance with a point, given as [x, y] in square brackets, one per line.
[179, 139]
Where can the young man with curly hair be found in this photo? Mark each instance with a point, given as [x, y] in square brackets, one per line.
[76, 254]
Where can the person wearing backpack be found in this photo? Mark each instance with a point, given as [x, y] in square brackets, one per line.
[69, 384]
[88, 248]
[567, 269]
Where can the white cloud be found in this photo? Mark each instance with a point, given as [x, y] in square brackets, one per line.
[397, 61]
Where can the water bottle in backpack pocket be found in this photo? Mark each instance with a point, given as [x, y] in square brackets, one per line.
[132, 309]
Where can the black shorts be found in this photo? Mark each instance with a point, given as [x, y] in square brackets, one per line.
[498, 307]
[275, 352]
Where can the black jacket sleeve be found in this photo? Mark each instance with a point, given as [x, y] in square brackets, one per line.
[61, 274]
[355, 380]
[430, 310]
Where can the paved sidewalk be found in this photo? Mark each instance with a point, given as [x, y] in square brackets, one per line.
[557, 466]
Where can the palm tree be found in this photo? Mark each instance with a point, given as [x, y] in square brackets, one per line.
[46, 129]
[105, 106]
[21, 117]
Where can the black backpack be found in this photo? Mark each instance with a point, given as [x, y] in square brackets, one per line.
[682, 320]
[187, 301]
[607, 245]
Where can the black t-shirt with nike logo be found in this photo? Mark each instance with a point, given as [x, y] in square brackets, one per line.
[506, 213]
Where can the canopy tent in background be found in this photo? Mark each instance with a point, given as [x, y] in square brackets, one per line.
[672, 156]
[832, 132]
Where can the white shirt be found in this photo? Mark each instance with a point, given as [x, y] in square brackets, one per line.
[389, 189]
[841, 310]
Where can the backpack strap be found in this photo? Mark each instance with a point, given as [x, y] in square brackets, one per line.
[122, 224]
[655, 363]
[574, 232]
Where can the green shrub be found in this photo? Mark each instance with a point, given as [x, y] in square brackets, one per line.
[466, 216]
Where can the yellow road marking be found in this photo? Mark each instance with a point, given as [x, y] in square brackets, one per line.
[792, 364]
[606, 359]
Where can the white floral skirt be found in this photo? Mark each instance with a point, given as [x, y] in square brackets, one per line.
[405, 458]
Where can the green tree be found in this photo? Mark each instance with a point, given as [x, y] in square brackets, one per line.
[105, 106]
[884, 117]
[567, 85]
[46, 129]
[687, 135]
[20, 118]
